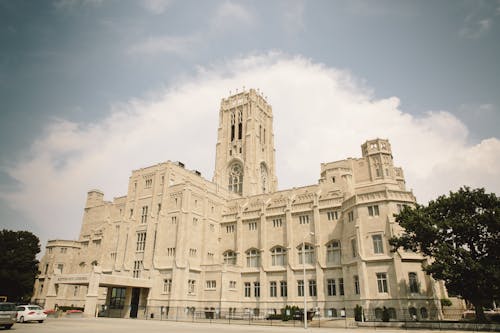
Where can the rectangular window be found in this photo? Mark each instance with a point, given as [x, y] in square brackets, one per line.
[149, 183]
[252, 226]
[273, 290]
[137, 269]
[167, 286]
[300, 287]
[341, 287]
[413, 282]
[304, 219]
[373, 210]
[211, 284]
[284, 289]
[247, 289]
[193, 252]
[232, 284]
[60, 267]
[331, 288]
[332, 215]
[382, 282]
[191, 286]
[144, 215]
[96, 242]
[256, 289]
[350, 216]
[277, 223]
[354, 248]
[141, 242]
[174, 219]
[313, 291]
[117, 299]
[230, 228]
[171, 251]
[378, 246]
[356, 285]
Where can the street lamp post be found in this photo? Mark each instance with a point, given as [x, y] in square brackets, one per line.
[304, 273]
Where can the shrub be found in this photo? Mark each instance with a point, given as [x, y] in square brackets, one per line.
[358, 313]
[445, 302]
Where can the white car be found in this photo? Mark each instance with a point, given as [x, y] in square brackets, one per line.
[30, 313]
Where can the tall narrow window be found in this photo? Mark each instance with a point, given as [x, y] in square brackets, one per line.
[263, 177]
[141, 241]
[253, 258]
[313, 291]
[341, 287]
[382, 282]
[278, 256]
[354, 248]
[356, 285]
[240, 125]
[236, 178]
[300, 287]
[333, 252]
[283, 288]
[136, 273]
[308, 254]
[232, 127]
[331, 288]
[378, 246]
[256, 289]
[273, 289]
[167, 286]
[413, 282]
[247, 289]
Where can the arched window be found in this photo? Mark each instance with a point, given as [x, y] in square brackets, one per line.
[423, 313]
[240, 124]
[392, 313]
[413, 313]
[308, 253]
[253, 258]
[236, 178]
[229, 257]
[263, 177]
[333, 252]
[278, 256]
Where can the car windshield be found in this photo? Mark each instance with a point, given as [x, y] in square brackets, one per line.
[34, 308]
[7, 307]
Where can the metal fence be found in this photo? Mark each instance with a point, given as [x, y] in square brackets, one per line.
[345, 317]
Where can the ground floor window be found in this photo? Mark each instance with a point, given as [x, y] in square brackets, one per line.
[117, 299]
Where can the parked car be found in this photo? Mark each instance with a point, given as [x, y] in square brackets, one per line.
[30, 313]
[7, 314]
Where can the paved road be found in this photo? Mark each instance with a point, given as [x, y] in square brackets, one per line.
[109, 325]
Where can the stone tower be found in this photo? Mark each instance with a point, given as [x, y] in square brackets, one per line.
[244, 159]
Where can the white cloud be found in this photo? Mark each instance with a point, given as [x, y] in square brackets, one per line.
[320, 114]
[230, 15]
[155, 6]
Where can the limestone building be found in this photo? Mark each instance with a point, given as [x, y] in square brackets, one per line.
[237, 245]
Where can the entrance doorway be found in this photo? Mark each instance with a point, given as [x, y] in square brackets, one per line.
[134, 302]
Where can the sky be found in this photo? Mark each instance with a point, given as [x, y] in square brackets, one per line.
[93, 89]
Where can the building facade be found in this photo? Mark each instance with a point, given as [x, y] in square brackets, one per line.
[238, 245]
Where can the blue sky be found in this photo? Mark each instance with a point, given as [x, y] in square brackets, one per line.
[92, 89]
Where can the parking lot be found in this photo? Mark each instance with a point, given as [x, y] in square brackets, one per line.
[110, 325]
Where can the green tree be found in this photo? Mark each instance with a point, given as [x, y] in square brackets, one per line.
[18, 264]
[461, 233]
